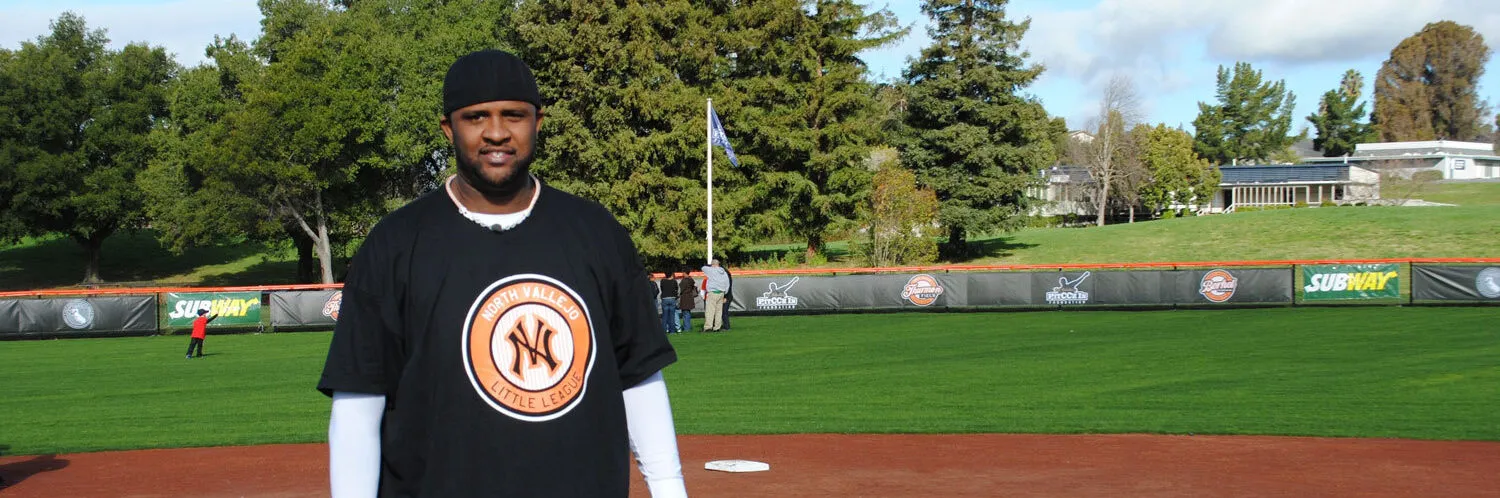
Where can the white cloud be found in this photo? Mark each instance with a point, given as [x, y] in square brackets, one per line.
[1170, 47]
[183, 27]
[1139, 34]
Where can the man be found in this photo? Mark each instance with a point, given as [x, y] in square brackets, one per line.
[668, 293]
[715, 284]
[496, 337]
[200, 332]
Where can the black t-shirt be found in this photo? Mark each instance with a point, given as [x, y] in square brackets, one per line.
[668, 288]
[502, 355]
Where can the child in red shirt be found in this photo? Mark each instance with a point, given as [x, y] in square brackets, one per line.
[200, 331]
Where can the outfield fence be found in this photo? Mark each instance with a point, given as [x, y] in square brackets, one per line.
[148, 311]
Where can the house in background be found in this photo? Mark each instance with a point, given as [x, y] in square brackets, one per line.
[1066, 190]
[1287, 185]
[1455, 160]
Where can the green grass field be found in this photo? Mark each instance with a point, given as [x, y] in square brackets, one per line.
[1427, 373]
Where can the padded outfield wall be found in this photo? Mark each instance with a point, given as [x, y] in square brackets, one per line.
[74, 313]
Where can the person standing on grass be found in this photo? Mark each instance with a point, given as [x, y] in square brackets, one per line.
[728, 298]
[715, 284]
[687, 298]
[496, 336]
[200, 332]
[669, 291]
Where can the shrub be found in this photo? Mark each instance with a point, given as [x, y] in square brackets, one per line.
[1327, 203]
[1169, 214]
[1301, 204]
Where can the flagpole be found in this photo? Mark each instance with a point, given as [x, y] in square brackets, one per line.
[708, 147]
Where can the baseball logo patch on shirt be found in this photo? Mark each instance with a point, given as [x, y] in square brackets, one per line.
[528, 347]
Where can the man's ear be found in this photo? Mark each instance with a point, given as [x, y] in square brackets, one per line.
[447, 128]
[538, 118]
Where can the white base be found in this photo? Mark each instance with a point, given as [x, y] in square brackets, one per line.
[737, 466]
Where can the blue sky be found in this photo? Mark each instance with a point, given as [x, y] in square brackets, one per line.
[1169, 48]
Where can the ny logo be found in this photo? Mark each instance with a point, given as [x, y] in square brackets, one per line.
[538, 346]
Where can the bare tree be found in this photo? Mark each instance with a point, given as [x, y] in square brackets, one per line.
[1399, 182]
[1131, 174]
[1118, 110]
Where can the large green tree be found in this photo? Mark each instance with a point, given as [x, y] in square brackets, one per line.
[806, 112]
[1251, 122]
[974, 138]
[1428, 88]
[1338, 118]
[313, 133]
[625, 86]
[78, 117]
[190, 199]
[1177, 174]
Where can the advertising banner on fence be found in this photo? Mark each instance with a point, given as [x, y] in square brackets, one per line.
[234, 309]
[66, 316]
[1455, 283]
[1335, 282]
[1229, 286]
[305, 308]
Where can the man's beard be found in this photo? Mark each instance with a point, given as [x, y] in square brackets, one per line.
[506, 188]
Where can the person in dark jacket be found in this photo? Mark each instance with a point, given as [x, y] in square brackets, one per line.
[687, 299]
[728, 298]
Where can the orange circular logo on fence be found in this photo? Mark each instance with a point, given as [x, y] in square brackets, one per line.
[922, 290]
[1218, 286]
[331, 306]
[528, 347]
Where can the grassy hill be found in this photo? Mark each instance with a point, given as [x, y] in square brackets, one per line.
[1469, 229]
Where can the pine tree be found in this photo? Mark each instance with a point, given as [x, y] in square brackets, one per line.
[976, 141]
[1251, 121]
[806, 112]
[1338, 118]
[624, 86]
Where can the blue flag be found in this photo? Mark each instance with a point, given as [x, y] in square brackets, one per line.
[722, 140]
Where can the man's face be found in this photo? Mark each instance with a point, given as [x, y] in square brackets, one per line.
[494, 143]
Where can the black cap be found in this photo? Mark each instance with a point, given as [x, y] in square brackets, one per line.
[485, 76]
[202, 312]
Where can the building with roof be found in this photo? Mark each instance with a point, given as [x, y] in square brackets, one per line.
[1288, 185]
[1455, 160]
[1066, 190]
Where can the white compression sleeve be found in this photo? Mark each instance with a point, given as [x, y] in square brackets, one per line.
[653, 438]
[354, 444]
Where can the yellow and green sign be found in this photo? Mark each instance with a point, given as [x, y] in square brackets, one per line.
[233, 308]
[1331, 282]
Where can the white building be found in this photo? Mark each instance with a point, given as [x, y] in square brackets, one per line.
[1455, 160]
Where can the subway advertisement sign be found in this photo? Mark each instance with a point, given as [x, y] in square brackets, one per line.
[233, 308]
[1344, 282]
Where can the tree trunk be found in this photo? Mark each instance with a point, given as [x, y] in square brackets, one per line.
[814, 244]
[92, 247]
[1104, 196]
[1132, 212]
[319, 235]
[306, 261]
[956, 246]
[325, 250]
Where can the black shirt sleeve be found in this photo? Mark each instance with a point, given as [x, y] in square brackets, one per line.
[640, 344]
[362, 357]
